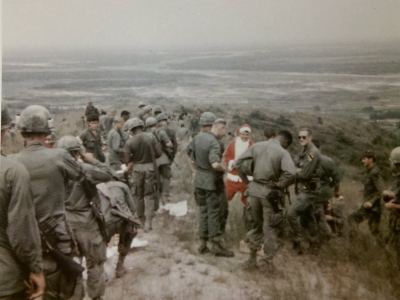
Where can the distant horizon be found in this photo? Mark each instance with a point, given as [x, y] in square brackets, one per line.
[193, 49]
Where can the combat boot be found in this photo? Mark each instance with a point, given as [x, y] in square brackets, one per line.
[120, 269]
[203, 247]
[251, 262]
[219, 250]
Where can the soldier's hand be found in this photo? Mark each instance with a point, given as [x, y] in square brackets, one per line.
[367, 204]
[390, 205]
[88, 157]
[388, 194]
[37, 285]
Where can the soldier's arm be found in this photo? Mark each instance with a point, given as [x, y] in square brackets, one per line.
[70, 168]
[189, 149]
[288, 171]
[22, 230]
[115, 142]
[309, 169]
[97, 172]
[214, 157]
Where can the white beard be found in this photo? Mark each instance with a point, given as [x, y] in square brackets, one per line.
[240, 147]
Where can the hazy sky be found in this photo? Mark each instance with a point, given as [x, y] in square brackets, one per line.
[164, 24]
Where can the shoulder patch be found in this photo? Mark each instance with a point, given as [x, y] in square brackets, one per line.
[310, 156]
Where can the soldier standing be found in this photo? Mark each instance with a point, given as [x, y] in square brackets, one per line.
[19, 233]
[91, 138]
[49, 169]
[392, 199]
[273, 170]
[142, 152]
[86, 229]
[307, 177]
[116, 141]
[372, 193]
[206, 154]
[170, 152]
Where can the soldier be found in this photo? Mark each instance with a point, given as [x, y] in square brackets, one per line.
[49, 169]
[142, 152]
[329, 187]
[392, 199]
[91, 138]
[20, 249]
[86, 229]
[206, 154]
[144, 112]
[125, 115]
[307, 177]
[116, 196]
[273, 170]
[170, 151]
[373, 186]
[157, 110]
[106, 122]
[116, 142]
[195, 123]
[163, 162]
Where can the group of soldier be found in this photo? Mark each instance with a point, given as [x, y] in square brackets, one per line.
[62, 202]
[263, 172]
[70, 197]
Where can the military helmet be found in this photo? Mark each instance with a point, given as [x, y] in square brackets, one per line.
[34, 119]
[207, 118]
[70, 143]
[157, 109]
[394, 159]
[5, 117]
[133, 123]
[151, 121]
[147, 108]
[162, 117]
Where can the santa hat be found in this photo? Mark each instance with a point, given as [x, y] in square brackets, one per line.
[244, 128]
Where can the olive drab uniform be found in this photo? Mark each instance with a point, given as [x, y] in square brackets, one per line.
[93, 143]
[308, 184]
[204, 150]
[273, 171]
[19, 233]
[116, 195]
[49, 169]
[86, 230]
[394, 221]
[143, 151]
[329, 179]
[372, 192]
[164, 162]
[116, 141]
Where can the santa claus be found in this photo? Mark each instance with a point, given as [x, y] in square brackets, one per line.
[233, 183]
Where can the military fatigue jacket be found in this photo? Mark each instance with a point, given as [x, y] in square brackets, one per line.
[49, 170]
[141, 148]
[93, 143]
[79, 210]
[19, 233]
[309, 164]
[205, 149]
[116, 142]
[373, 186]
[163, 138]
[273, 167]
[328, 172]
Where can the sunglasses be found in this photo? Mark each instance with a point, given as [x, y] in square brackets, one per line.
[302, 137]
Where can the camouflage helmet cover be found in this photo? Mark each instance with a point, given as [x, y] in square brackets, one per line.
[151, 121]
[34, 119]
[207, 118]
[5, 117]
[162, 117]
[395, 161]
[69, 143]
[133, 123]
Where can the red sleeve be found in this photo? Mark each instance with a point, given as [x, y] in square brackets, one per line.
[229, 153]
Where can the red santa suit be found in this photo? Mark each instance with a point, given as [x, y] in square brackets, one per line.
[233, 183]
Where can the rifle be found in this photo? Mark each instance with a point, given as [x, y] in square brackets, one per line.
[127, 217]
[66, 263]
[154, 160]
[91, 194]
